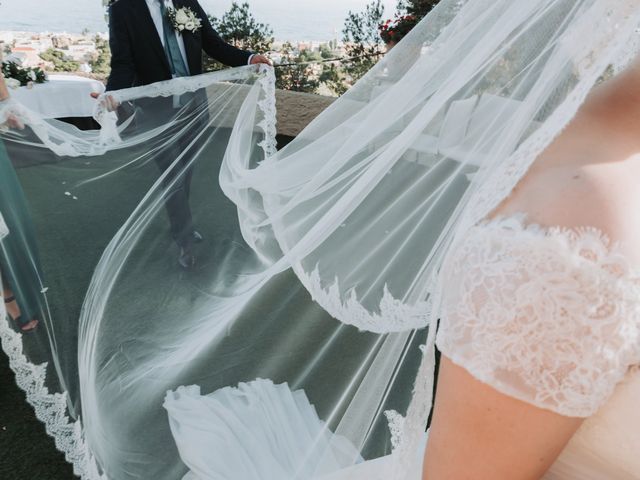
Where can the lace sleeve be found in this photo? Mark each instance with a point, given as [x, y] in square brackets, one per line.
[550, 317]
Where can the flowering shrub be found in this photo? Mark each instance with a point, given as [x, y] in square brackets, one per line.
[19, 77]
[394, 30]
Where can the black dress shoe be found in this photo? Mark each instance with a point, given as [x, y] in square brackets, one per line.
[197, 237]
[186, 259]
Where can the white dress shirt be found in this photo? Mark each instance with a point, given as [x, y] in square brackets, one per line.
[158, 21]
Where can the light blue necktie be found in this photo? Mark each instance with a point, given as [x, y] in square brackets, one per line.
[171, 47]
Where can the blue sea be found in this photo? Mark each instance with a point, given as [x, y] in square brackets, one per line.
[315, 20]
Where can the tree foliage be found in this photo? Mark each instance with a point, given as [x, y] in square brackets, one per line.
[305, 71]
[240, 28]
[408, 14]
[333, 77]
[362, 41]
[60, 61]
[417, 8]
[22, 75]
[296, 73]
[394, 30]
[101, 64]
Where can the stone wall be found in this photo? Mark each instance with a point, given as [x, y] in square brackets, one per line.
[296, 110]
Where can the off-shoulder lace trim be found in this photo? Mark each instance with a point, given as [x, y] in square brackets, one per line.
[506, 280]
[613, 266]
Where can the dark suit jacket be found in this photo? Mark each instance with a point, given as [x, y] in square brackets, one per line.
[137, 55]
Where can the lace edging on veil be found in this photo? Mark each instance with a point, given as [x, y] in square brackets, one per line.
[51, 408]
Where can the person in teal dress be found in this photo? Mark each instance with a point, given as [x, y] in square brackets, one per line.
[19, 264]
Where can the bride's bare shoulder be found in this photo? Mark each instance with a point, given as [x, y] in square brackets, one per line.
[589, 175]
[580, 182]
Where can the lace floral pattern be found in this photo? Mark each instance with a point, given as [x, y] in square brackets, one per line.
[396, 426]
[393, 315]
[549, 316]
[267, 106]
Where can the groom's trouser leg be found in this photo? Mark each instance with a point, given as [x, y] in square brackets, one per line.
[178, 181]
[177, 184]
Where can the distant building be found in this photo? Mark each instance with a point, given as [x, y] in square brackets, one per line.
[61, 42]
[82, 52]
[38, 43]
[26, 56]
[26, 48]
[18, 58]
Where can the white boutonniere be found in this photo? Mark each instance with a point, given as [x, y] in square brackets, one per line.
[184, 19]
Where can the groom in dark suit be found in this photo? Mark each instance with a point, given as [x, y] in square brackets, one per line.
[147, 48]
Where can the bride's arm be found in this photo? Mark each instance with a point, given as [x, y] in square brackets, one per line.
[587, 177]
[479, 433]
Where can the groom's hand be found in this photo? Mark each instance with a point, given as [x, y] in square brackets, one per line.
[256, 59]
[110, 103]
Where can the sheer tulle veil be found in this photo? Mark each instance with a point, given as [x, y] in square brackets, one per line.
[295, 343]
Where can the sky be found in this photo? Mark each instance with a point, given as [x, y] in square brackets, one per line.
[290, 19]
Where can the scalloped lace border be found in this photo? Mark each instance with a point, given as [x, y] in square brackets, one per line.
[51, 408]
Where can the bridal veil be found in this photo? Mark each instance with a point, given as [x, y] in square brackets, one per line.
[296, 342]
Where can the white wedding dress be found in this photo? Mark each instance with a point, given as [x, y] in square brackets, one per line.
[548, 316]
